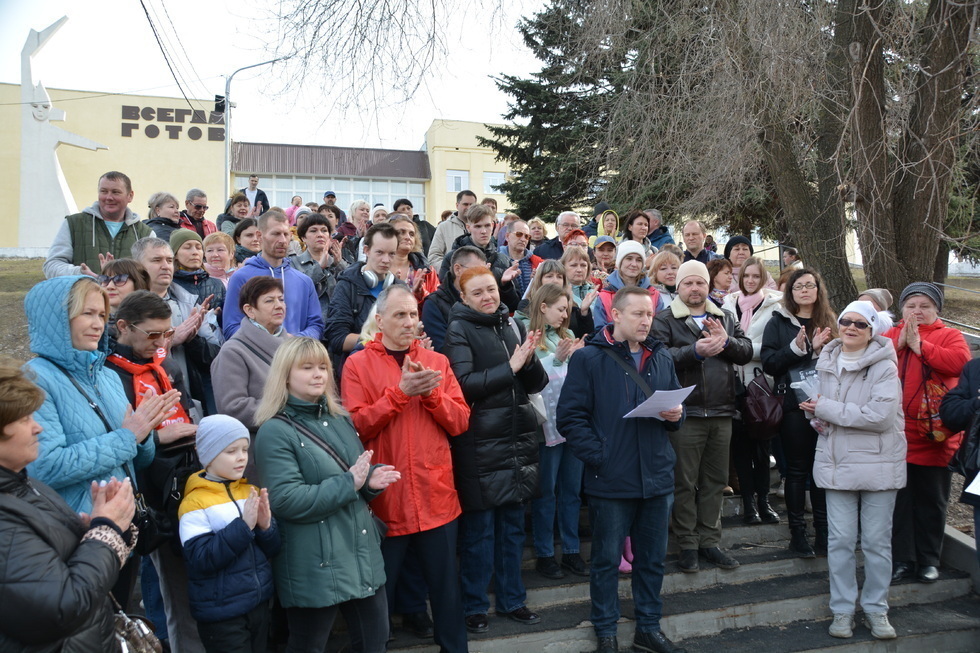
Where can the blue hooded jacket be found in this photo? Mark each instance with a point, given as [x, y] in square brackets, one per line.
[304, 317]
[74, 446]
[624, 458]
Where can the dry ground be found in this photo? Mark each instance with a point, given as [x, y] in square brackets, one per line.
[18, 275]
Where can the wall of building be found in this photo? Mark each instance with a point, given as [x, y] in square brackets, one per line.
[452, 145]
[158, 141]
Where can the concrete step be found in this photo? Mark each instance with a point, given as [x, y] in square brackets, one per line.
[708, 611]
[734, 534]
[951, 626]
[757, 563]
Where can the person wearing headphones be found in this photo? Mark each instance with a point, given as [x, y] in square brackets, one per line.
[357, 290]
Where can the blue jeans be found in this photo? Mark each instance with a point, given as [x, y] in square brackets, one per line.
[152, 599]
[644, 520]
[491, 543]
[560, 478]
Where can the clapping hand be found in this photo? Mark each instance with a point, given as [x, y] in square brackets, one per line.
[911, 333]
[112, 500]
[250, 511]
[800, 339]
[567, 347]
[715, 340]
[383, 476]
[820, 338]
[523, 352]
[153, 409]
[417, 379]
[359, 470]
[588, 300]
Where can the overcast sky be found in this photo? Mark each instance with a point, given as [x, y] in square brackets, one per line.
[108, 46]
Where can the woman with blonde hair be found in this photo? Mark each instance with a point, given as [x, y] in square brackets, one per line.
[219, 256]
[320, 481]
[663, 273]
[560, 473]
[409, 263]
[539, 233]
[164, 214]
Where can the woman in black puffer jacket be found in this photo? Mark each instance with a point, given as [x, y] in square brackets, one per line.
[56, 570]
[496, 461]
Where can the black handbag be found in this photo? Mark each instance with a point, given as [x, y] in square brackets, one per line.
[320, 442]
[155, 528]
[966, 460]
[762, 411]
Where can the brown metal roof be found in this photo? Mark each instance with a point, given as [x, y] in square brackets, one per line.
[269, 158]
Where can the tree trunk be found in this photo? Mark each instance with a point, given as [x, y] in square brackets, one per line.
[869, 151]
[941, 269]
[922, 187]
[820, 241]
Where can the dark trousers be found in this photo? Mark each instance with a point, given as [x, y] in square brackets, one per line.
[410, 587]
[800, 446]
[920, 515]
[367, 623]
[248, 633]
[645, 521]
[751, 458]
[436, 555]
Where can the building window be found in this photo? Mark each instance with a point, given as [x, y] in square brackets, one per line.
[492, 181]
[282, 188]
[457, 180]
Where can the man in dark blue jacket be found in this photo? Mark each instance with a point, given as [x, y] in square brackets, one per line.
[629, 463]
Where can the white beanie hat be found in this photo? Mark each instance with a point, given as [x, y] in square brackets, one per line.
[880, 322]
[629, 247]
[215, 433]
[692, 268]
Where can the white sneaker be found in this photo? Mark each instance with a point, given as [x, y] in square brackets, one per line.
[772, 462]
[878, 623]
[843, 626]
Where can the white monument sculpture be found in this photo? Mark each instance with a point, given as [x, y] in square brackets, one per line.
[45, 198]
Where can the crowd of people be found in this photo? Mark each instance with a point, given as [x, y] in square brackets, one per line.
[296, 413]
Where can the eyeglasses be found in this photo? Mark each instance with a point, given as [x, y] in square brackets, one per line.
[118, 280]
[578, 244]
[518, 234]
[201, 207]
[155, 335]
[804, 286]
[857, 324]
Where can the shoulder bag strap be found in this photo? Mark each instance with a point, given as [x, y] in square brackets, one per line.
[631, 371]
[317, 440]
[105, 422]
[262, 357]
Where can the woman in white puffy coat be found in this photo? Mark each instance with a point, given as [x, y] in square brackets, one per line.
[752, 305]
[859, 462]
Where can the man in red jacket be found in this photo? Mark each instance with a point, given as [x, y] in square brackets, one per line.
[406, 404]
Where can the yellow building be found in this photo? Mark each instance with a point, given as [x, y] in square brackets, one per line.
[163, 143]
[160, 142]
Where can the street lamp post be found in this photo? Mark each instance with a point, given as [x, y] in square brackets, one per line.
[228, 106]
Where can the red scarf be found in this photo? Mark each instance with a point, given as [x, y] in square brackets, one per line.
[152, 375]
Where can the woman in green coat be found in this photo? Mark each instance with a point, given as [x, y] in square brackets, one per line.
[331, 555]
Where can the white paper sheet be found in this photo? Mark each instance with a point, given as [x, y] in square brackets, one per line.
[974, 487]
[660, 401]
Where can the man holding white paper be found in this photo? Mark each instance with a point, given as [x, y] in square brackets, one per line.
[705, 343]
[629, 473]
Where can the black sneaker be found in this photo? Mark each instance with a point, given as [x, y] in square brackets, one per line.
[573, 562]
[418, 623]
[477, 623]
[689, 561]
[607, 645]
[548, 567]
[719, 558]
[523, 616]
[655, 643]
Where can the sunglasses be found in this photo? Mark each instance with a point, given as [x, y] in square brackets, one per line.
[119, 279]
[857, 324]
[518, 234]
[201, 207]
[155, 335]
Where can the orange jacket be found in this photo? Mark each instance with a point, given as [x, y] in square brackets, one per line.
[411, 433]
[945, 351]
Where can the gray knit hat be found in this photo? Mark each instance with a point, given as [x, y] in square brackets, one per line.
[215, 433]
[930, 290]
[881, 296]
